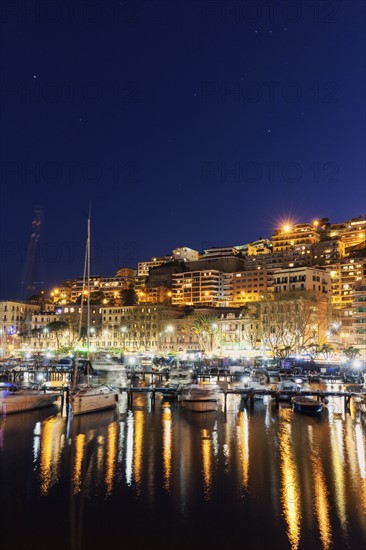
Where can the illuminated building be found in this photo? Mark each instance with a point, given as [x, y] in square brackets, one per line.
[211, 287]
[144, 267]
[249, 286]
[292, 235]
[111, 287]
[359, 314]
[302, 279]
[15, 318]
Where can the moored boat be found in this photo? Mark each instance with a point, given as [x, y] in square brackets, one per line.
[286, 388]
[19, 401]
[90, 398]
[179, 378]
[87, 398]
[307, 405]
[360, 401]
[200, 398]
[255, 385]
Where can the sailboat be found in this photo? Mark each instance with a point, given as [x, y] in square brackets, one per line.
[13, 400]
[87, 398]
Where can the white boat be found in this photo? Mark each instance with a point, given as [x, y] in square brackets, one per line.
[253, 384]
[19, 401]
[360, 402]
[108, 366]
[87, 398]
[90, 398]
[200, 398]
[179, 378]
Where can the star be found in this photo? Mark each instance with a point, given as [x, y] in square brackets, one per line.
[269, 131]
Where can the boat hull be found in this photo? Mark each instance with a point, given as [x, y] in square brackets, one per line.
[83, 404]
[360, 402]
[18, 403]
[200, 405]
[310, 406]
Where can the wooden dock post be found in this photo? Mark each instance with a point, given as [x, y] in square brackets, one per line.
[225, 401]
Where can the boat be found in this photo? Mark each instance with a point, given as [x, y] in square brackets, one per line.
[360, 402]
[13, 400]
[307, 405]
[253, 384]
[87, 398]
[107, 364]
[200, 398]
[285, 388]
[273, 376]
[179, 378]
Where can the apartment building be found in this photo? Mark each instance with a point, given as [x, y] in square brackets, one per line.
[249, 286]
[206, 287]
[16, 317]
[292, 235]
[359, 315]
[302, 278]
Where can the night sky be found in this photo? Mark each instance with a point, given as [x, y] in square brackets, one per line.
[196, 123]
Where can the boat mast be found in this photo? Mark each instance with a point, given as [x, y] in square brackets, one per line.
[75, 374]
[88, 286]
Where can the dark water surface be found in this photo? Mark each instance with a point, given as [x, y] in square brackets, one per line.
[161, 477]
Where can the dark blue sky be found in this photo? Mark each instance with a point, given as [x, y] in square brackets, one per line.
[185, 123]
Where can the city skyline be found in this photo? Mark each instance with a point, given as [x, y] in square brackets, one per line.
[254, 117]
[71, 250]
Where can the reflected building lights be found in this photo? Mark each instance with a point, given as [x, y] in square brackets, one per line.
[322, 507]
[338, 465]
[361, 461]
[36, 441]
[78, 464]
[167, 446]
[138, 444]
[129, 448]
[121, 439]
[290, 495]
[243, 440]
[111, 457]
[50, 454]
[206, 447]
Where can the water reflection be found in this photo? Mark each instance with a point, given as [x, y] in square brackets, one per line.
[51, 443]
[322, 507]
[338, 467]
[167, 445]
[306, 476]
[206, 448]
[138, 448]
[243, 440]
[290, 494]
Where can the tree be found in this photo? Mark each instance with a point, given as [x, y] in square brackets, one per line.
[288, 323]
[206, 327]
[129, 297]
[352, 352]
[57, 328]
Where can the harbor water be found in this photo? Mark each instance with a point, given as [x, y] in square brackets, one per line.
[153, 475]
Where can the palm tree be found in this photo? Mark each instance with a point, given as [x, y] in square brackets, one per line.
[206, 326]
[352, 352]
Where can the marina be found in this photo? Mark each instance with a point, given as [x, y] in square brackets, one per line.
[149, 466]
